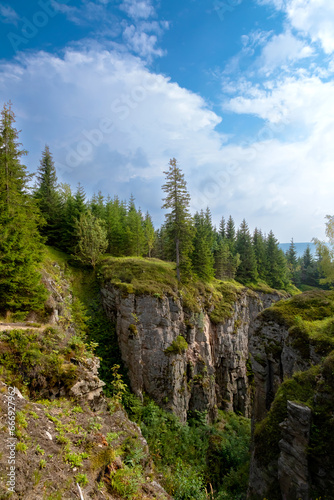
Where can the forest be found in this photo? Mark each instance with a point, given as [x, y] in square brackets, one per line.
[36, 210]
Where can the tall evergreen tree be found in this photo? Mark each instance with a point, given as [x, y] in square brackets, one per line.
[178, 220]
[259, 246]
[225, 264]
[230, 233]
[135, 230]
[247, 270]
[202, 256]
[47, 196]
[149, 233]
[97, 206]
[276, 266]
[222, 228]
[292, 261]
[20, 242]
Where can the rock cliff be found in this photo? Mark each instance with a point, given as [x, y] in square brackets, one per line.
[293, 401]
[186, 361]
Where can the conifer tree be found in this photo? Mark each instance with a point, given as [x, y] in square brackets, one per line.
[115, 217]
[222, 228]
[134, 230]
[225, 264]
[202, 257]
[230, 233]
[97, 206]
[150, 235]
[259, 246]
[178, 220]
[47, 196]
[276, 267]
[292, 261]
[20, 242]
[247, 270]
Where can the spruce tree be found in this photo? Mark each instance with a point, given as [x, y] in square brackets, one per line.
[230, 234]
[291, 257]
[259, 246]
[135, 230]
[178, 220]
[222, 228]
[149, 233]
[97, 206]
[47, 197]
[20, 242]
[276, 266]
[247, 270]
[225, 264]
[202, 256]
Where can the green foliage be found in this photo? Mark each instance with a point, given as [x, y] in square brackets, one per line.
[127, 481]
[202, 256]
[91, 239]
[191, 457]
[247, 269]
[34, 360]
[178, 346]
[82, 479]
[48, 198]
[20, 243]
[178, 221]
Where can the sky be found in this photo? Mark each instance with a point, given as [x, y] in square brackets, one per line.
[240, 92]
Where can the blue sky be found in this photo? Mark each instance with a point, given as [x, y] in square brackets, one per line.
[240, 92]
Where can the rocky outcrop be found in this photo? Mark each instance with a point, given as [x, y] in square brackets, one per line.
[275, 357]
[293, 472]
[293, 383]
[208, 371]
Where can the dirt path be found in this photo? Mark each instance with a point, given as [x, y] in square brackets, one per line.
[19, 326]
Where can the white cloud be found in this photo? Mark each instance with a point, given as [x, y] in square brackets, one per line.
[283, 49]
[8, 14]
[141, 43]
[112, 125]
[135, 9]
[314, 18]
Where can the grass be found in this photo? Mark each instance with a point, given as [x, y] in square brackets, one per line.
[156, 277]
[310, 306]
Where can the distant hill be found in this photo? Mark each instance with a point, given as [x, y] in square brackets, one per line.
[300, 248]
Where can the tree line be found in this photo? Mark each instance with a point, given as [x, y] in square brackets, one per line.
[52, 213]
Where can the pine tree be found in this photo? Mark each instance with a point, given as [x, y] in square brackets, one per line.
[259, 246]
[247, 270]
[222, 228]
[97, 206]
[225, 264]
[47, 196]
[276, 266]
[20, 242]
[202, 256]
[292, 261]
[150, 235]
[230, 233]
[178, 220]
[135, 230]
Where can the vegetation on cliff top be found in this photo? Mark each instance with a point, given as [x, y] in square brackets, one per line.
[315, 389]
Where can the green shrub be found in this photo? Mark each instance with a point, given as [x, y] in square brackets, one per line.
[178, 346]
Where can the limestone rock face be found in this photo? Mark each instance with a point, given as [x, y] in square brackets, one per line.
[211, 372]
[293, 473]
[274, 358]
